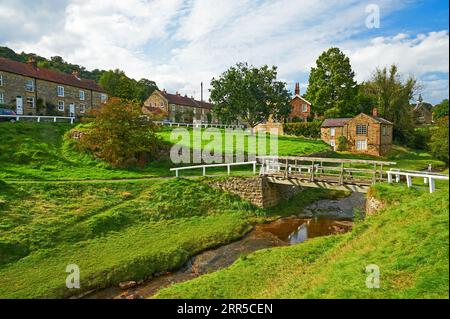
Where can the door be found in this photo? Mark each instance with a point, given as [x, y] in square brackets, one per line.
[19, 105]
[333, 145]
[72, 109]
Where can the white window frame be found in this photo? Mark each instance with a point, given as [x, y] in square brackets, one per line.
[60, 91]
[103, 98]
[174, 108]
[361, 145]
[304, 108]
[2, 98]
[82, 95]
[384, 130]
[333, 131]
[28, 87]
[361, 129]
[1, 80]
[82, 108]
[61, 103]
[33, 101]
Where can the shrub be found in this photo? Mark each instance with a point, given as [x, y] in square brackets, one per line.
[420, 138]
[119, 135]
[306, 129]
[343, 144]
[439, 140]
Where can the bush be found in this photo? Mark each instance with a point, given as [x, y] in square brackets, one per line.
[420, 138]
[119, 135]
[343, 144]
[439, 140]
[306, 129]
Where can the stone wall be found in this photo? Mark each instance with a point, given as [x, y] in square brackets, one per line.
[256, 190]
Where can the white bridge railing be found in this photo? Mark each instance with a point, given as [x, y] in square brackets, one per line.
[203, 167]
[71, 119]
[428, 177]
[197, 125]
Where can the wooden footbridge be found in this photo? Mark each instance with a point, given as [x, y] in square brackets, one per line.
[355, 175]
[331, 173]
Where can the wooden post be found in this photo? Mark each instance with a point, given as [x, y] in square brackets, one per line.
[176, 173]
[228, 169]
[432, 186]
[374, 178]
[389, 177]
[381, 173]
[341, 176]
[408, 180]
[286, 168]
[254, 168]
[311, 176]
[204, 170]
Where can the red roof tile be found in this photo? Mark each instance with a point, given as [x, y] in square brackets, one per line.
[186, 101]
[31, 71]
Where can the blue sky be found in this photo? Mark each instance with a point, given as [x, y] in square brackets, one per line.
[179, 43]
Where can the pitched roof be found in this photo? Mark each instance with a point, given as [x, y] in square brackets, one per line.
[380, 119]
[186, 101]
[302, 98]
[335, 122]
[31, 71]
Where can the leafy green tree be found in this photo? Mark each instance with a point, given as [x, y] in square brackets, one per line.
[116, 83]
[393, 96]
[440, 110]
[249, 94]
[439, 140]
[120, 135]
[364, 100]
[332, 89]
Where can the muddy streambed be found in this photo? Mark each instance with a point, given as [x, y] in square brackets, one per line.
[321, 218]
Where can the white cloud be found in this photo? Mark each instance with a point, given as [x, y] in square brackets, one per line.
[203, 37]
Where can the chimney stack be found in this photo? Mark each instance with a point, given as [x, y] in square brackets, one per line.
[76, 74]
[201, 90]
[297, 88]
[177, 93]
[375, 112]
[32, 61]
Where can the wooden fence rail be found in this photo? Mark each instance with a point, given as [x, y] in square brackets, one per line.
[71, 119]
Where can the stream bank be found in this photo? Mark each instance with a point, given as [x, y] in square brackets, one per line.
[321, 218]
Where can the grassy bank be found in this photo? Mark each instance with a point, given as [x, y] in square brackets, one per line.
[408, 240]
[113, 231]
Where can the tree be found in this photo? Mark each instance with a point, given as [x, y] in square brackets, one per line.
[120, 135]
[249, 94]
[393, 96]
[332, 89]
[440, 110]
[439, 140]
[143, 89]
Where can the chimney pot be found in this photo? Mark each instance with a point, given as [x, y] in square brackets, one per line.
[375, 112]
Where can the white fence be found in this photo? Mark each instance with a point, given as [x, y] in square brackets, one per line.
[71, 119]
[428, 177]
[227, 165]
[204, 125]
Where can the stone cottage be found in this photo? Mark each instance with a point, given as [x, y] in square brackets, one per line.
[178, 107]
[368, 134]
[30, 90]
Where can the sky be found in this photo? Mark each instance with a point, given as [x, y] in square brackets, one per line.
[181, 43]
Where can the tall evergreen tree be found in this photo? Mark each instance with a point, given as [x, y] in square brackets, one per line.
[332, 89]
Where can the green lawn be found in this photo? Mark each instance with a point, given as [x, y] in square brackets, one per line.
[408, 240]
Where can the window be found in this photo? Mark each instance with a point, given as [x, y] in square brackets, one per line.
[29, 86]
[173, 108]
[384, 130]
[2, 98]
[30, 102]
[60, 90]
[82, 96]
[361, 145]
[1, 80]
[361, 129]
[332, 131]
[61, 106]
[304, 107]
[82, 108]
[103, 98]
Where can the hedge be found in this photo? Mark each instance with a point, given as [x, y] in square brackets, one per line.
[305, 129]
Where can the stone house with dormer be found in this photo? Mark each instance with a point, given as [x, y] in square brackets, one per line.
[30, 90]
[179, 108]
[300, 107]
[367, 134]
